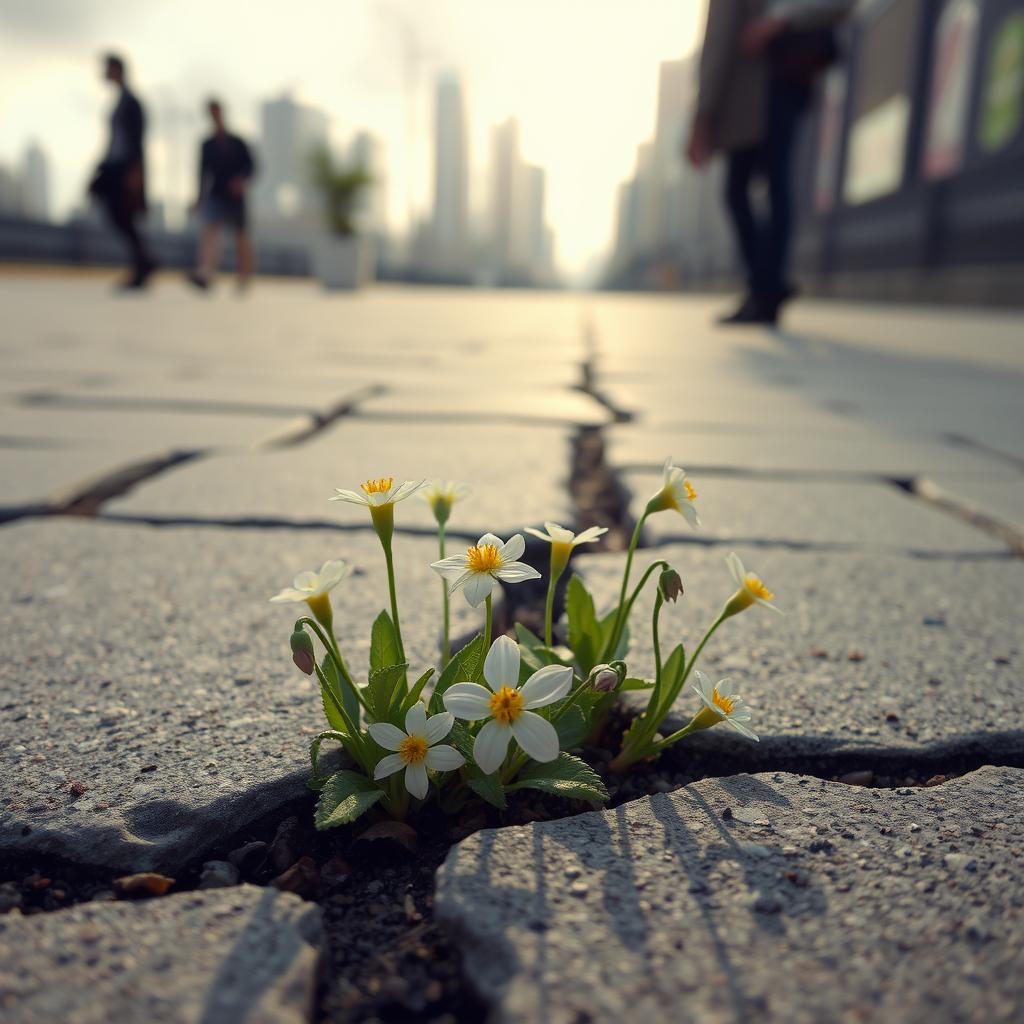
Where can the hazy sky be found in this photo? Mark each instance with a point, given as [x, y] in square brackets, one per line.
[581, 76]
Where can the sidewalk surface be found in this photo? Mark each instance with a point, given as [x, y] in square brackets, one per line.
[165, 465]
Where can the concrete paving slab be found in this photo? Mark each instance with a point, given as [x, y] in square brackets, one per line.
[518, 475]
[857, 450]
[800, 512]
[1001, 497]
[147, 665]
[875, 653]
[243, 954]
[777, 898]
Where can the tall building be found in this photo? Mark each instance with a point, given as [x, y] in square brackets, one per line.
[450, 226]
[35, 183]
[284, 194]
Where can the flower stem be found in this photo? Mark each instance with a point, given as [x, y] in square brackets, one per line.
[488, 623]
[446, 644]
[390, 563]
[613, 642]
[331, 646]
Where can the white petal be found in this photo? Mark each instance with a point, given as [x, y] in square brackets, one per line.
[444, 758]
[591, 533]
[501, 666]
[470, 701]
[457, 584]
[416, 720]
[517, 572]
[689, 513]
[332, 573]
[388, 766]
[389, 736]
[546, 685]
[536, 736]
[349, 496]
[736, 569]
[450, 568]
[409, 487]
[513, 548]
[416, 780]
[288, 595]
[666, 471]
[536, 533]
[491, 744]
[307, 581]
[767, 604]
[478, 585]
[438, 726]
[490, 539]
[743, 730]
[559, 533]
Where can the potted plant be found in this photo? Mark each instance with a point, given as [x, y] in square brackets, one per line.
[343, 260]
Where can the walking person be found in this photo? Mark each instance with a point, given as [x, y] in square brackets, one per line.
[226, 168]
[758, 68]
[119, 184]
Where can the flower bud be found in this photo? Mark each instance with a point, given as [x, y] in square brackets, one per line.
[604, 679]
[302, 652]
[670, 585]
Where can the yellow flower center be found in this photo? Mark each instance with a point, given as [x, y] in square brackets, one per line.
[413, 750]
[691, 494]
[483, 558]
[506, 705]
[756, 587]
[724, 704]
[380, 486]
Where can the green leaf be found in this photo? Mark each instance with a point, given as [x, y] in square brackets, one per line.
[344, 797]
[638, 684]
[417, 689]
[380, 691]
[343, 692]
[572, 728]
[527, 638]
[383, 644]
[316, 781]
[585, 637]
[606, 634]
[460, 669]
[664, 695]
[566, 776]
[487, 787]
[462, 740]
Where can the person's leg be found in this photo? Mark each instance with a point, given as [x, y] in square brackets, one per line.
[786, 109]
[246, 260]
[209, 250]
[739, 174]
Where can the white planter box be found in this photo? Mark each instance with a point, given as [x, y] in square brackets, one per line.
[345, 262]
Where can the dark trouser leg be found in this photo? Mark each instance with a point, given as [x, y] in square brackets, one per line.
[739, 174]
[785, 111]
[122, 218]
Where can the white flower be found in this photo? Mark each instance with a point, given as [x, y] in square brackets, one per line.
[308, 586]
[379, 492]
[751, 588]
[490, 559]
[720, 708]
[418, 748]
[559, 535]
[508, 705]
[444, 491]
[676, 493]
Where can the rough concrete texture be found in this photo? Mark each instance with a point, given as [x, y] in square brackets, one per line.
[294, 483]
[147, 665]
[765, 897]
[875, 653]
[861, 515]
[245, 955]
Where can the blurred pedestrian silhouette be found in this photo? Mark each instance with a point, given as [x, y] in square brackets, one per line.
[119, 184]
[758, 67]
[226, 167]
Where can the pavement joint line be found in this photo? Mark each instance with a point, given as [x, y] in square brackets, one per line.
[926, 490]
[190, 406]
[501, 418]
[963, 441]
[839, 476]
[310, 424]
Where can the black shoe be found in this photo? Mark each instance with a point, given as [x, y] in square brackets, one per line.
[197, 279]
[752, 310]
[139, 277]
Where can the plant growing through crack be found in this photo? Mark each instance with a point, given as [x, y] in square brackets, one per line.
[504, 713]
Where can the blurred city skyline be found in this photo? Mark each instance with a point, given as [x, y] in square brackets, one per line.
[579, 80]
